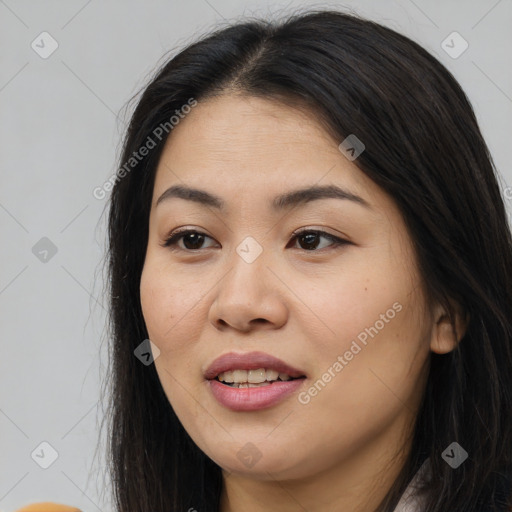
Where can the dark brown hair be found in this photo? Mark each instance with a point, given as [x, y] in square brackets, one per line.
[425, 149]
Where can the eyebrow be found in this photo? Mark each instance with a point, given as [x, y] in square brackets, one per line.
[281, 202]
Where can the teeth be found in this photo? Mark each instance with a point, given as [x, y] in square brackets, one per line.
[250, 385]
[227, 376]
[251, 377]
[240, 376]
[256, 376]
[272, 374]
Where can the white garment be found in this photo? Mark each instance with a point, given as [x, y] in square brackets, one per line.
[410, 502]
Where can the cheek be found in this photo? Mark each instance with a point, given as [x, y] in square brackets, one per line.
[171, 311]
[158, 303]
[374, 341]
[384, 372]
[361, 388]
[172, 326]
[348, 304]
[168, 306]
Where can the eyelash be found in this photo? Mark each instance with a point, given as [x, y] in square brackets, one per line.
[173, 238]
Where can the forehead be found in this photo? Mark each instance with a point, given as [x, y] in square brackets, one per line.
[251, 147]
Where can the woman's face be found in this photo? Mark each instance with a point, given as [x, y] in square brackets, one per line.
[350, 317]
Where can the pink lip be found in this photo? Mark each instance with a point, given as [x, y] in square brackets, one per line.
[252, 399]
[249, 361]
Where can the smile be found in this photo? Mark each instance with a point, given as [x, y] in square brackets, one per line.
[252, 381]
[252, 378]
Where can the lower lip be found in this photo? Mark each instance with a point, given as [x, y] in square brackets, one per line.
[253, 399]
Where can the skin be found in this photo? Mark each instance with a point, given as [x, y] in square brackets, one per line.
[343, 449]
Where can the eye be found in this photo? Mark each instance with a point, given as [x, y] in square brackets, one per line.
[192, 239]
[189, 236]
[309, 237]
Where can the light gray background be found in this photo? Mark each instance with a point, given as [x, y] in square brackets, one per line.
[61, 122]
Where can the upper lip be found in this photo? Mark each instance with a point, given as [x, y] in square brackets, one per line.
[249, 361]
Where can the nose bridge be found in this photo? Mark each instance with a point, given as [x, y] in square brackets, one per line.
[250, 250]
[249, 260]
[246, 292]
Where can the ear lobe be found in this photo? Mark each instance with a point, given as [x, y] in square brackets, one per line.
[445, 334]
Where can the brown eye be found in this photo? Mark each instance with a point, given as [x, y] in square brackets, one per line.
[192, 240]
[309, 239]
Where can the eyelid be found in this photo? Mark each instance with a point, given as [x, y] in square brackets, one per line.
[171, 240]
[174, 236]
[337, 241]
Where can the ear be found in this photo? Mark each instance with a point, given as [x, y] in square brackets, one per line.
[445, 334]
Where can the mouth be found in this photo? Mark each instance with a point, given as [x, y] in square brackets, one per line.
[251, 368]
[253, 378]
[252, 381]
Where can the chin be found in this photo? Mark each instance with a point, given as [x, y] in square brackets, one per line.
[261, 467]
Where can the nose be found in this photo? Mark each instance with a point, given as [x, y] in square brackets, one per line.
[249, 296]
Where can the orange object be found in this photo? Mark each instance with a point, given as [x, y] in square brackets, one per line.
[48, 506]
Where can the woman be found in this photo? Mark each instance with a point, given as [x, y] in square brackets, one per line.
[307, 225]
